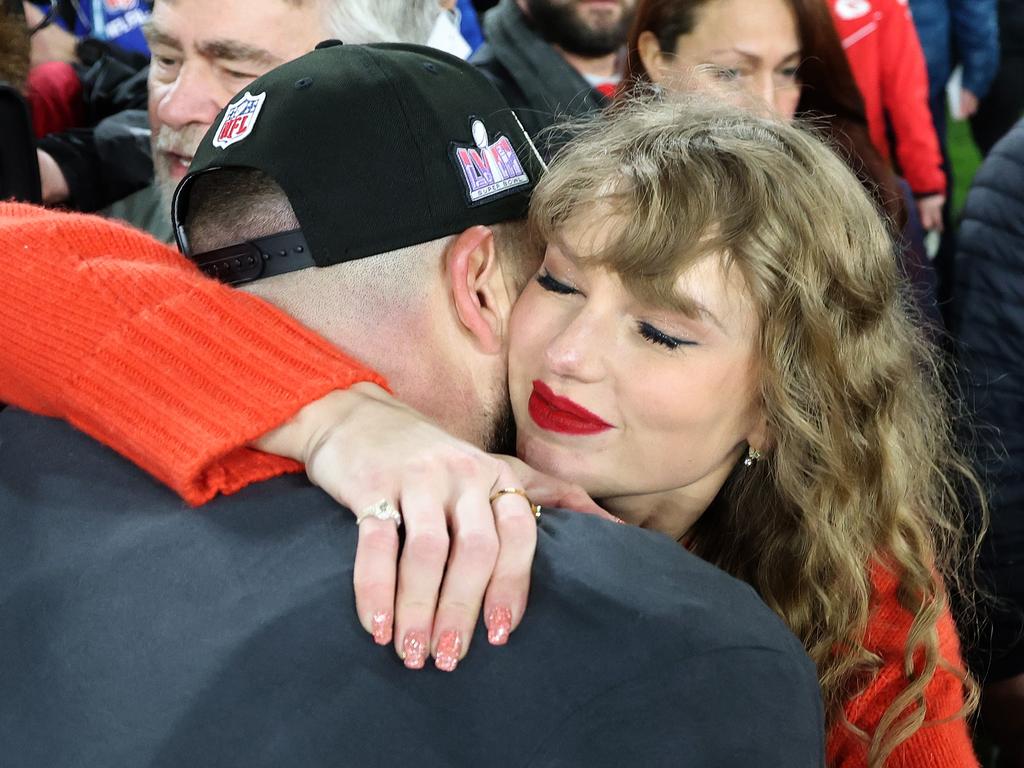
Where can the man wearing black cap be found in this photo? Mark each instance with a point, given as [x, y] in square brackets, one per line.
[140, 633]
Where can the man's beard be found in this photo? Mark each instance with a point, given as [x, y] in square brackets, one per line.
[182, 141]
[563, 25]
[501, 434]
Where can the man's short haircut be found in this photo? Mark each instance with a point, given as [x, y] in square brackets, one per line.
[234, 205]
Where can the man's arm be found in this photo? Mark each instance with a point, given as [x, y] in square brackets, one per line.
[126, 339]
[976, 30]
[730, 707]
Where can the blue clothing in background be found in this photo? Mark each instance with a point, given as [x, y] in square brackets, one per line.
[470, 24]
[115, 21]
[952, 32]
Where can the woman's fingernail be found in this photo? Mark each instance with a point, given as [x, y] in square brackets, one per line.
[449, 648]
[380, 626]
[415, 649]
[499, 625]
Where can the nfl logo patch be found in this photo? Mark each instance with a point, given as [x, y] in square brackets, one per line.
[491, 168]
[239, 120]
[113, 6]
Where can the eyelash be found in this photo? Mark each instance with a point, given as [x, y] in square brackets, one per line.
[655, 336]
[646, 330]
[548, 283]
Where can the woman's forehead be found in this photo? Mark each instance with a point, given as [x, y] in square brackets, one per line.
[702, 284]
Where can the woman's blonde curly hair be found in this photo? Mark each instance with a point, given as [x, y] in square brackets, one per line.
[862, 470]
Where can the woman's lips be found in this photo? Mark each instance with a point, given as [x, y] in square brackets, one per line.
[559, 414]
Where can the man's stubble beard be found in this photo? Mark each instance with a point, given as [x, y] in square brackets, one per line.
[500, 432]
[560, 25]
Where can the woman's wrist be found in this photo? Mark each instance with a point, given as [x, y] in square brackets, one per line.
[298, 437]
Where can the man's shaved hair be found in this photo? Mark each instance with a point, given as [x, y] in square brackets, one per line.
[234, 205]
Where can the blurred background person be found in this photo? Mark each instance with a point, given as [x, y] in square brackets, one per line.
[554, 58]
[782, 55]
[885, 55]
[1004, 104]
[118, 23]
[951, 32]
[990, 271]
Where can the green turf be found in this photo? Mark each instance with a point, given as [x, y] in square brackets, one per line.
[965, 158]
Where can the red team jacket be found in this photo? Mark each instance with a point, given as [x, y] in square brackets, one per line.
[888, 64]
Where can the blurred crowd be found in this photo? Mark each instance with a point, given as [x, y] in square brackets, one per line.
[105, 104]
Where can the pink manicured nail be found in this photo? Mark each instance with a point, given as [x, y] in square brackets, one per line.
[380, 624]
[499, 625]
[415, 649]
[449, 646]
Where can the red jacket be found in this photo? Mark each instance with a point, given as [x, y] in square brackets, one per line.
[888, 64]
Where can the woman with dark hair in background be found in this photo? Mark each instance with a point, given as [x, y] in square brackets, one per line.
[786, 54]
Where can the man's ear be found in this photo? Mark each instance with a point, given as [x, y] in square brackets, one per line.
[479, 295]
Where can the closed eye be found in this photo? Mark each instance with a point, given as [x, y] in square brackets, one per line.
[548, 283]
[660, 338]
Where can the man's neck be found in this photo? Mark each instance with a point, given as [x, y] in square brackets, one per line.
[603, 66]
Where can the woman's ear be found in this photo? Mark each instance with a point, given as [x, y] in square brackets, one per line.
[760, 438]
[649, 50]
[479, 295]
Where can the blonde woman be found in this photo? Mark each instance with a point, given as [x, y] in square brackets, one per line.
[717, 347]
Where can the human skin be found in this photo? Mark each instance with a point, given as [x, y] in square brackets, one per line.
[677, 430]
[203, 54]
[597, 16]
[747, 51]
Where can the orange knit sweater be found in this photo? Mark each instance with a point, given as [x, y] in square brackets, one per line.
[122, 336]
[126, 339]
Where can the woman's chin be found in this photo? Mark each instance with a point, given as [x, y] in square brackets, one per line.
[564, 462]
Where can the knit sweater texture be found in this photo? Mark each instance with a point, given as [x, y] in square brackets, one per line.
[126, 339]
[130, 342]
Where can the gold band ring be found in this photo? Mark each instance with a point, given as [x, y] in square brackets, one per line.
[535, 508]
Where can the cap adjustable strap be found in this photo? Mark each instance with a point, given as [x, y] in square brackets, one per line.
[256, 259]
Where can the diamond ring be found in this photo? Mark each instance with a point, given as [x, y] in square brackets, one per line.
[381, 510]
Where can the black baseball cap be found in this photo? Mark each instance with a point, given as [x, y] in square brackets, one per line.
[377, 147]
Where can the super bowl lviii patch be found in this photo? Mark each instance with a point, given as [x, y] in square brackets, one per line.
[488, 168]
[239, 120]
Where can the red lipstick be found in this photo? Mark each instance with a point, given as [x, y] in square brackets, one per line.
[560, 414]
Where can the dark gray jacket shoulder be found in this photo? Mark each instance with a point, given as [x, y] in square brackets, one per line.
[138, 632]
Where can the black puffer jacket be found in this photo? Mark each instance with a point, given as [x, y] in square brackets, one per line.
[990, 302]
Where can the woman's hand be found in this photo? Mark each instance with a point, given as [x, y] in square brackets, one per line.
[549, 491]
[362, 447]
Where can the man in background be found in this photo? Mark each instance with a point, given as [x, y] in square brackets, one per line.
[554, 58]
[202, 53]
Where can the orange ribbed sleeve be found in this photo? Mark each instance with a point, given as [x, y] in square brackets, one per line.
[123, 337]
[944, 741]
